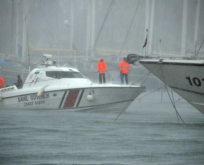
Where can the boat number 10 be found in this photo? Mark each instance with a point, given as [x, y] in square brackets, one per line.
[194, 81]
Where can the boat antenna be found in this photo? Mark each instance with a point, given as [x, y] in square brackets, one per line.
[28, 47]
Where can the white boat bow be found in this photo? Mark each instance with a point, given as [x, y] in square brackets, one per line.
[185, 77]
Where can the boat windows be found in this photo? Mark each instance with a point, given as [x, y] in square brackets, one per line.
[64, 74]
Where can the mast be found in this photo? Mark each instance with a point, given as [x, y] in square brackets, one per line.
[72, 24]
[17, 28]
[196, 23]
[184, 24]
[92, 25]
[88, 31]
[146, 23]
[151, 27]
[24, 33]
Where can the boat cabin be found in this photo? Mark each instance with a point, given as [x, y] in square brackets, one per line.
[49, 74]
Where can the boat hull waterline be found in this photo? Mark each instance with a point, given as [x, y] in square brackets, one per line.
[100, 98]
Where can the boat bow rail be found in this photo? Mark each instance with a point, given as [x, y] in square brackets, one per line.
[184, 76]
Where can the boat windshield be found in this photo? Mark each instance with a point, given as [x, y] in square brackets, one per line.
[64, 74]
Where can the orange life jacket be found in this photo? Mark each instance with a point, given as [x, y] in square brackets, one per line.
[101, 67]
[124, 67]
[1, 82]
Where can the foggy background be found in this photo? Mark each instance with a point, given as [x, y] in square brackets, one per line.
[78, 33]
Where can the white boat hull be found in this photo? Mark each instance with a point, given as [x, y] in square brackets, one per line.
[104, 98]
[185, 77]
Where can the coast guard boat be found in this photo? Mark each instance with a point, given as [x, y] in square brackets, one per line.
[53, 87]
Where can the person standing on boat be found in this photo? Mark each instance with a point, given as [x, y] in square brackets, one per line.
[1, 82]
[101, 69]
[124, 68]
[19, 83]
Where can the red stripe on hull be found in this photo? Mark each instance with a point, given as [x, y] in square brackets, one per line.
[71, 98]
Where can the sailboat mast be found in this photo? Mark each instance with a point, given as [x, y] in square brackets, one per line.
[146, 23]
[196, 24]
[151, 27]
[184, 25]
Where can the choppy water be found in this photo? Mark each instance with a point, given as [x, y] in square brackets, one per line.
[147, 133]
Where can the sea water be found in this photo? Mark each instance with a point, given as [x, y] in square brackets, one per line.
[148, 132]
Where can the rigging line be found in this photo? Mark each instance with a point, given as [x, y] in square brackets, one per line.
[130, 27]
[126, 106]
[200, 46]
[22, 24]
[129, 101]
[121, 16]
[27, 44]
[97, 71]
[166, 28]
[150, 93]
[134, 95]
[169, 94]
[116, 69]
[178, 99]
[100, 30]
[148, 74]
[15, 71]
[48, 23]
[172, 94]
[178, 115]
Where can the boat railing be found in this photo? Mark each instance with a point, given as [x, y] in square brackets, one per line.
[7, 89]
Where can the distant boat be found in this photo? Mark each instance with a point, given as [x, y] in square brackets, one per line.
[52, 87]
[7, 64]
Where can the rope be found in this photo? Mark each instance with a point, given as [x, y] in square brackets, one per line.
[130, 27]
[22, 23]
[132, 99]
[149, 93]
[200, 47]
[134, 95]
[99, 33]
[51, 18]
[178, 115]
[178, 99]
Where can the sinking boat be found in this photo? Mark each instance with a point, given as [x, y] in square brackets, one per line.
[184, 76]
[51, 87]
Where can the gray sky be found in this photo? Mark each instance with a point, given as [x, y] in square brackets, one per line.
[116, 28]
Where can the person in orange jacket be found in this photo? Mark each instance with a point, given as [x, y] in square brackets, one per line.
[124, 69]
[101, 69]
[1, 82]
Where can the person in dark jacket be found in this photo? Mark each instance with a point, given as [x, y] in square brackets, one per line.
[19, 83]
